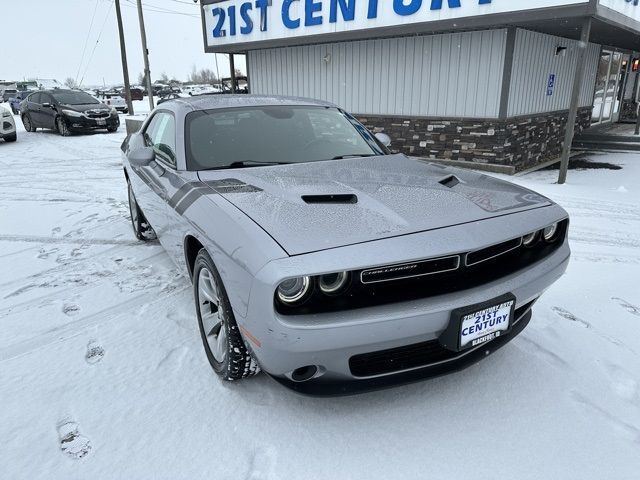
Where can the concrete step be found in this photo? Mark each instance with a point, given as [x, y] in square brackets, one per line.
[606, 145]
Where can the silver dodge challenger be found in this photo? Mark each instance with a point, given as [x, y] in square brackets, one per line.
[326, 261]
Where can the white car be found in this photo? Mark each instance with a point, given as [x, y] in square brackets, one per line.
[7, 126]
[114, 100]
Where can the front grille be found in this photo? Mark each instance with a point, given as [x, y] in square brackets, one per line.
[97, 113]
[433, 277]
[410, 356]
[493, 251]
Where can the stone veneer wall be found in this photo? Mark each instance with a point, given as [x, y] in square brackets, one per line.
[519, 143]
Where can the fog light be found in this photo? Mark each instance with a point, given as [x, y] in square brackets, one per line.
[332, 283]
[293, 290]
[529, 240]
[550, 232]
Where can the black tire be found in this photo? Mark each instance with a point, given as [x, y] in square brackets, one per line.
[11, 138]
[28, 124]
[112, 129]
[141, 227]
[237, 363]
[62, 128]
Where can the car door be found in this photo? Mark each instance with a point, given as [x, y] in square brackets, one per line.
[161, 181]
[47, 111]
[33, 108]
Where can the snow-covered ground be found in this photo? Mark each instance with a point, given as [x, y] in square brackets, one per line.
[100, 356]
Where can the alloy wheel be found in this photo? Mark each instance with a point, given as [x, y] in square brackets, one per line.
[211, 313]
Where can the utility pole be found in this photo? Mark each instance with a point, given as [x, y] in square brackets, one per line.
[232, 68]
[578, 75]
[145, 54]
[123, 54]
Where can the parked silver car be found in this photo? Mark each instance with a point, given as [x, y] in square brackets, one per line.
[321, 258]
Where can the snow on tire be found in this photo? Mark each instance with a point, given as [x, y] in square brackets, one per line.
[221, 338]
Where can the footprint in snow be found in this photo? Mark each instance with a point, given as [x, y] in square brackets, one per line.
[95, 352]
[567, 315]
[72, 443]
[632, 309]
[70, 309]
[263, 463]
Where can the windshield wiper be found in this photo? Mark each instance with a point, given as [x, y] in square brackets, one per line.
[247, 163]
[353, 155]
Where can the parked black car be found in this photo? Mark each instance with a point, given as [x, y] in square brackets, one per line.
[67, 111]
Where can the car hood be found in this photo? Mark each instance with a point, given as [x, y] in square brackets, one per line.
[308, 207]
[86, 107]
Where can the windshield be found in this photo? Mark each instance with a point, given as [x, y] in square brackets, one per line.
[273, 134]
[74, 98]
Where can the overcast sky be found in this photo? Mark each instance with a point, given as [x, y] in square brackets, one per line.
[46, 38]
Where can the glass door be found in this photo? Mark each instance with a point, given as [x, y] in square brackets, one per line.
[611, 104]
[607, 99]
[602, 81]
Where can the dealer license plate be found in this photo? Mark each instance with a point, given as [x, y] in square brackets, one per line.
[101, 121]
[486, 324]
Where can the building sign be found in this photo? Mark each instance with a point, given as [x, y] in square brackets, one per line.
[240, 21]
[629, 8]
[551, 83]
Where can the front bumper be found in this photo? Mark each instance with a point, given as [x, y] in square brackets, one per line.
[85, 123]
[338, 387]
[283, 343]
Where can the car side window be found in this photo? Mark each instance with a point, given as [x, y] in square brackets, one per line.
[161, 135]
[35, 98]
[45, 98]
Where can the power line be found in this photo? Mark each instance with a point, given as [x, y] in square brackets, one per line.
[156, 9]
[86, 41]
[97, 41]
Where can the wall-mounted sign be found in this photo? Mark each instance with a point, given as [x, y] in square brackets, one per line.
[241, 21]
[629, 8]
[551, 84]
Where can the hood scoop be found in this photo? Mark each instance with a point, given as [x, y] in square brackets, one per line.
[338, 198]
[449, 181]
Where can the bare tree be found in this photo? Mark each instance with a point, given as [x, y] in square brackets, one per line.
[70, 83]
[204, 75]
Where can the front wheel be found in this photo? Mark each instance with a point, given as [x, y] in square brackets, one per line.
[112, 129]
[28, 124]
[62, 127]
[221, 337]
[141, 227]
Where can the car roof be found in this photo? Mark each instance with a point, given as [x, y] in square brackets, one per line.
[212, 102]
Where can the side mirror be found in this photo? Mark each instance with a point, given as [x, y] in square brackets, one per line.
[384, 139]
[141, 157]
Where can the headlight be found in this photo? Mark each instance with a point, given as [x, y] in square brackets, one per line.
[550, 232]
[332, 283]
[293, 290]
[529, 240]
[72, 113]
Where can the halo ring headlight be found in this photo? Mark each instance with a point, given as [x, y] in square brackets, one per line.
[293, 290]
[530, 239]
[550, 232]
[332, 283]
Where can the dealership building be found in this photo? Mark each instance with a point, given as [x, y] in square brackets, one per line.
[471, 82]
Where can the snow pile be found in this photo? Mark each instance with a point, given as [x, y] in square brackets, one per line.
[102, 374]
